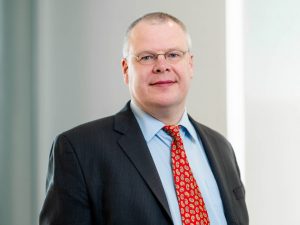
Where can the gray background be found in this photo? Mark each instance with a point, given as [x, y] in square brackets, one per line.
[60, 66]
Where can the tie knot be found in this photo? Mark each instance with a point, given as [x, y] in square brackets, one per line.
[172, 130]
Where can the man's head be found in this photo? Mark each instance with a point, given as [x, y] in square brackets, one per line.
[156, 17]
[157, 64]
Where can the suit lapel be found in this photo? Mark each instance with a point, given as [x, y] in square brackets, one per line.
[216, 161]
[135, 147]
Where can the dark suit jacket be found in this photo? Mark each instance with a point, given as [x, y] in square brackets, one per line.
[102, 173]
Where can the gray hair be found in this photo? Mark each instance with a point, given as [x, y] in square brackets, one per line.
[155, 17]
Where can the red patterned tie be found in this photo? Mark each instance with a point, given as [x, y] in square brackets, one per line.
[191, 203]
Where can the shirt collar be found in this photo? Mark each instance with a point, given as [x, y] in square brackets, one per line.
[187, 126]
[150, 126]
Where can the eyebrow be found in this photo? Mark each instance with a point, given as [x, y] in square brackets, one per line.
[153, 52]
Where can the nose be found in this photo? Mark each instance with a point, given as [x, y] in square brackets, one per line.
[161, 65]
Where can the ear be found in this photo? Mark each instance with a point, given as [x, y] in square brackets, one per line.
[125, 70]
[191, 65]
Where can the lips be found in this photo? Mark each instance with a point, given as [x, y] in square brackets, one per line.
[163, 82]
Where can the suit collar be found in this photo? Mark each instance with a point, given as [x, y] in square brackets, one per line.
[134, 145]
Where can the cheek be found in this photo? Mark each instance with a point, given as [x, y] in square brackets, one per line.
[186, 74]
[137, 77]
[130, 76]
[190, 73]
[134, 81]
[186, 79]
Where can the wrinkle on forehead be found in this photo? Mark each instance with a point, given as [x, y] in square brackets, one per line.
[157, 36]
[155, 23]
[149, 27]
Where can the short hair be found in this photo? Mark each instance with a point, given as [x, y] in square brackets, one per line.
[155, 18]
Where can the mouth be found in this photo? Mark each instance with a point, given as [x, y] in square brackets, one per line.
[163, 83]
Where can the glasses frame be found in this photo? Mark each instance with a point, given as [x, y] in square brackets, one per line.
[156, 55]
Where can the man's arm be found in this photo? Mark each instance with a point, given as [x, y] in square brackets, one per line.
[66, 200]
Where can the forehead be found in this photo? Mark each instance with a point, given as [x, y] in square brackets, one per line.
[157, 36]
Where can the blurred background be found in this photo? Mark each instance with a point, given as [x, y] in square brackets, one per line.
[60, 66]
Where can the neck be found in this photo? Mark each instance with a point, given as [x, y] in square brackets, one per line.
[167, 115]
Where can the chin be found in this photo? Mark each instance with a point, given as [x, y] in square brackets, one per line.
[165, 103]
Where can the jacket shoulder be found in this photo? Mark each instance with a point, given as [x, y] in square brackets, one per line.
[90, 127]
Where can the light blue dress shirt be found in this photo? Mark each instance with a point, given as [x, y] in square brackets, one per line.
[159, 144]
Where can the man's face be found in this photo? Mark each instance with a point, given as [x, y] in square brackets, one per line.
[162, 84]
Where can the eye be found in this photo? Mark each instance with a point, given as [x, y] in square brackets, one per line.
[146, 58]
[174, 55]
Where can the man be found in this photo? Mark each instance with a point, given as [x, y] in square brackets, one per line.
[121, 169]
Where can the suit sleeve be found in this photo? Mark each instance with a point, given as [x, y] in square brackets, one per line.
[66, 200]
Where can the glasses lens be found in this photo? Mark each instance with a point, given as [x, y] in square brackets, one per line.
[174, 56]
[146, 58]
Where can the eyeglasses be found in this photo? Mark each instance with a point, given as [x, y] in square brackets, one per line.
[149, 58]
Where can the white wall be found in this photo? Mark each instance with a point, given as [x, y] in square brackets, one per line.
[272, 85]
